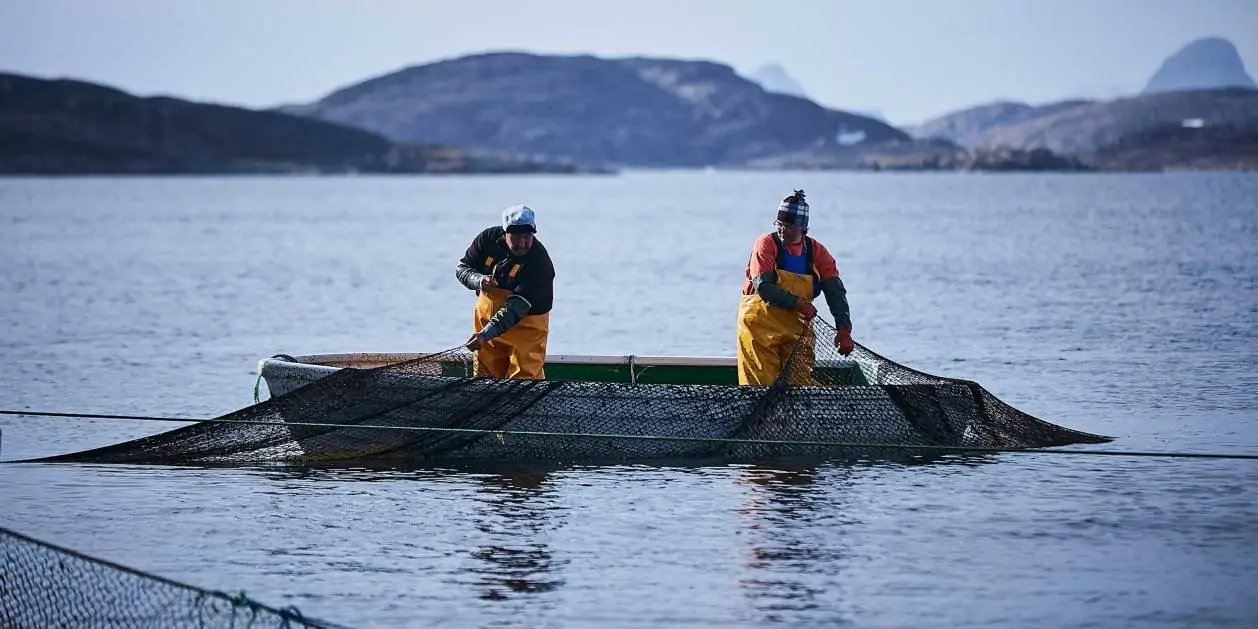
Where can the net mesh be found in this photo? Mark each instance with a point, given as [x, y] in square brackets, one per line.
[42, 585]
[433, 408]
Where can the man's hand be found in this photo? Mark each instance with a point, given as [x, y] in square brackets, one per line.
[805, 307]
[475, 342]
[843, 340]
[487, 282]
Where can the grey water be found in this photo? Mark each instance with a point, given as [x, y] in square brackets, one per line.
[1125, 305]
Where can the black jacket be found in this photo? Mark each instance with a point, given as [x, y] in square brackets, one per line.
[534, 273]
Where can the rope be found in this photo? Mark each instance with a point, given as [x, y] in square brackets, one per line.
[257, 384]
[538, 433]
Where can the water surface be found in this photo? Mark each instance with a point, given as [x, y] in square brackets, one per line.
[1122, 305]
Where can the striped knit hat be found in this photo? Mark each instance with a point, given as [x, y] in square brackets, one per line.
[794, 210]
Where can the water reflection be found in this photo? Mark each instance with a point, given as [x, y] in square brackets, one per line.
[798, 550]
[516, 512]
[520, 512]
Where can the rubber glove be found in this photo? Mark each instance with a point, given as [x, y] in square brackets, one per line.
[805, 308]
[843, 340]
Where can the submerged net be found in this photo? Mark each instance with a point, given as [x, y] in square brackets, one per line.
[42, 585]
[433, 408]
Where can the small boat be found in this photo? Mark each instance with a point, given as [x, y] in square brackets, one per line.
[643, 407]
[421, 408]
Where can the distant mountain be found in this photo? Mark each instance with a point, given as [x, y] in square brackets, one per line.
[627, 111]
[969, 126]
[1204, 84]
[1082, 126]
[1204, 64]
[774, 78]
[75, 127]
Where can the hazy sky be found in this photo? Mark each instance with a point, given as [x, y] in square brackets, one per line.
[910, 59]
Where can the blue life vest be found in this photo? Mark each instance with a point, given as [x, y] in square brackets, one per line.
[801, 264]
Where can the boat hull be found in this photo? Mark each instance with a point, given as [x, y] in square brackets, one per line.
[441, 413]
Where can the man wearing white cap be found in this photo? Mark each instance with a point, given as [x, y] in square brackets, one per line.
[514, 279]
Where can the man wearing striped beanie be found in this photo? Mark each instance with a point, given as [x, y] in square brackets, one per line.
[787, 270]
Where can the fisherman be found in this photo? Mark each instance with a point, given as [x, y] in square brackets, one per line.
[787, 270]
[514, 279]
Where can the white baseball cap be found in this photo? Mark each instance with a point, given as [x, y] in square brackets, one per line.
[519, 219]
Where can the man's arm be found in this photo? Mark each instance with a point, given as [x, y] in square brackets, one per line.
[536, 286]
[507, 316]
[468, 272]
[836, 298]
[832, 285]
[469, 277]
[767, 288]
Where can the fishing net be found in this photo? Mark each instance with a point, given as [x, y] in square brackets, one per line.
[42, 585]
[433, 408]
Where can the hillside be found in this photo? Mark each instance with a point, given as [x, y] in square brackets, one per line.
[1205, 81]
[1183, 148]
[628, 111]
[1082, 126]
[929, 154]
[75, 127]
[966, 127]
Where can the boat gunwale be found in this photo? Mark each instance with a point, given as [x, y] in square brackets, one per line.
[391, 358]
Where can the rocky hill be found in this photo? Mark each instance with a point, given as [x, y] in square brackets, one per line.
[1083, 126]
[968, 126]
[75, 127]
[626, 111]
[929, 154]
[1182, 148]
[1206, 64]
[1205, 82]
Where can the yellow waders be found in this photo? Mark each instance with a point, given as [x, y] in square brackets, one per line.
[520, 353]
[766, 335]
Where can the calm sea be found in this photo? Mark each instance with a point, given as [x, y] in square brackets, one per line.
[1119, 304]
